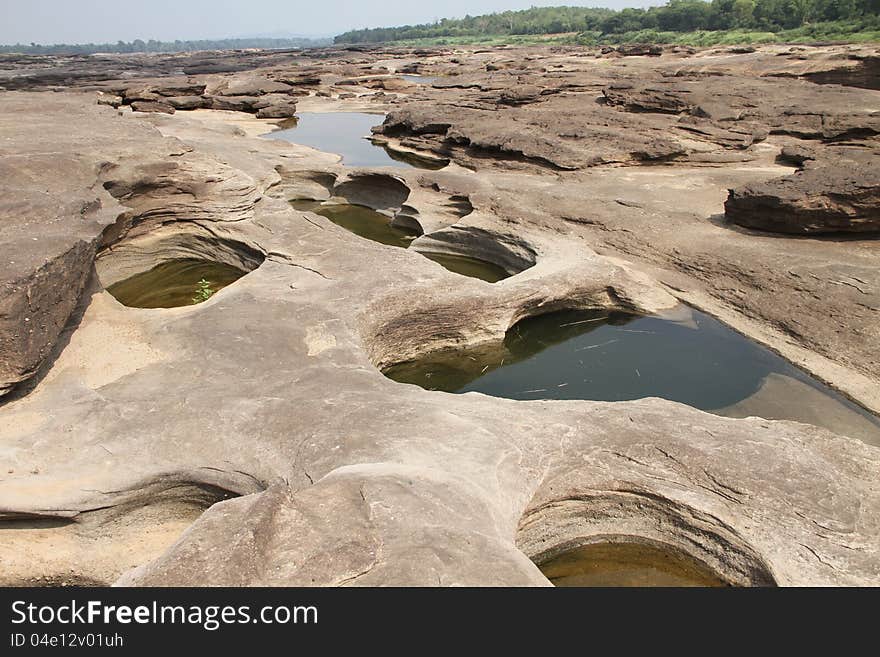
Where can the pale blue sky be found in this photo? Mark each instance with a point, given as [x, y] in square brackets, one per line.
[82, 21]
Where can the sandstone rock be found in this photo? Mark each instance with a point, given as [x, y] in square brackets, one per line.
[648, 98]
[739, 136]
[798, 154]
[42, 72]
[187, 102]
[841, 195]
[807, 123]
[304, 80]
[520, 95]
[234, 103]
[563, 136]
[457, 489]
[247, 85]
[277, 110]
[865, 73]
[152, 106]
[146, 94]
[180, 88]
[53, 224]
[638, 49]
[153, 89]
[112, 101]
[189, 187]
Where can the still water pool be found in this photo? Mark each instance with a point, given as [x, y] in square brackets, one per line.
[369, 224]
[604, 356]
[180, 282]
[346, 134]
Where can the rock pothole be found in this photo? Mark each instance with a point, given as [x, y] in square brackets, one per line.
[492, 256]
[628, 563]
[363, 222]
[605, 355]
[173, 266]
[374, 206]
[94, 547]
[637, 538]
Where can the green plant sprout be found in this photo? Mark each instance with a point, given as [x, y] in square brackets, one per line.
[203, 291]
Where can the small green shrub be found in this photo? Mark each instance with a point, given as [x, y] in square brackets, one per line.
[204, 291]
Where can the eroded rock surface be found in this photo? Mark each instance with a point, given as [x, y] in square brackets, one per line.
[257, 426]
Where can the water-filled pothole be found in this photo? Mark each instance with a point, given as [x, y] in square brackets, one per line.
[372, 225]
[467, 266]
[367, 223]
[179, 282]
[627, 564]
[349, 134]
[616, 356]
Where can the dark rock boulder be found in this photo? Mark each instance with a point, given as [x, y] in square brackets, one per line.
[152, 106]
[522, 95]
[133, 94]
[797, 154]
[180, 88]
[401, 122]
[305, 80]
[640, 49]
[838, 194]
[828, 125]
[187, 102]
[865, 74]
[277, 108]
[234, 103]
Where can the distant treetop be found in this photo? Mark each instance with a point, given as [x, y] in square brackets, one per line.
[675, 16]
[139, 45]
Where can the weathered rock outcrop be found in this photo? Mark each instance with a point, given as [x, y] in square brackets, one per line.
[80, 195]
[248, 85]
[547, 139]
[152, 106]
[255, 94]
[863, 71]
[52, 216]
[640, 49]
[648, 98]
[832, 195]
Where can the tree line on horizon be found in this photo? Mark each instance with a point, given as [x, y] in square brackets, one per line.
[138, 46]
[675, 16]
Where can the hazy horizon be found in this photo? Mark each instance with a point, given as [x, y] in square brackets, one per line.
[48, 22]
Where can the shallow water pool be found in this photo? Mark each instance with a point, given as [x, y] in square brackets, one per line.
[603, 356]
